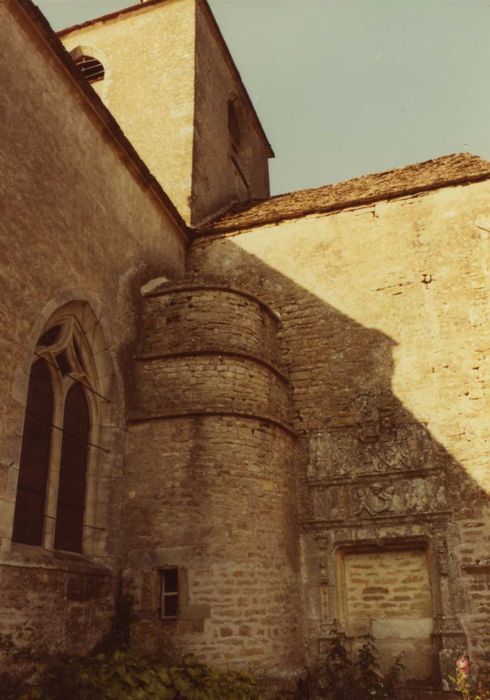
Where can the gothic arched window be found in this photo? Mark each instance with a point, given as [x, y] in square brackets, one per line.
[73, 471]
[55, 453]
[34, 460]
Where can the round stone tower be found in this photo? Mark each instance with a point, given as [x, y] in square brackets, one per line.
[210, 524]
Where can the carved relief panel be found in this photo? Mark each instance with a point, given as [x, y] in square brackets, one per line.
[382, 498]
[376, 483]
[374, 465]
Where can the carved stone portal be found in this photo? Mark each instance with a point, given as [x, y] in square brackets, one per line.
[389, 592]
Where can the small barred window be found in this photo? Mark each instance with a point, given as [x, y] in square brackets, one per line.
[91, 68]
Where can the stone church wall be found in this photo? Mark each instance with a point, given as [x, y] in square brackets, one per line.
[384, 337]
[80, 225]
[308, 436]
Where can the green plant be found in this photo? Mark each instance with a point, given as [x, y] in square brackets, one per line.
[336, 673]
[123, 675]
[341, 678]
[462, 681]
[370, 678]
[113, 671]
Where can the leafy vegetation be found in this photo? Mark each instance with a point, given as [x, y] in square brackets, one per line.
[116, 672]
[342, 678]
[462, 681]
[125, 675]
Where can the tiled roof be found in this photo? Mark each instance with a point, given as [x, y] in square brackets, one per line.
[454, 169]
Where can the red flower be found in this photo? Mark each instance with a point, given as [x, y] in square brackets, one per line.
[463, 665]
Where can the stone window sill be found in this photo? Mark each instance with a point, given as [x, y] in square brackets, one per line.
[29, 556]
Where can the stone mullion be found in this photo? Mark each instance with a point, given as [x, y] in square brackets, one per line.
[59, 391]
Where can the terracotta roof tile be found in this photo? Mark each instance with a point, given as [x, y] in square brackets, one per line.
[454, 169]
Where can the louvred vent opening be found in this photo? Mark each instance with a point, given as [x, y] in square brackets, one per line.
[91, 68]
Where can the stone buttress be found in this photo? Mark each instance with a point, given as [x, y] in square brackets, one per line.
[211, 490]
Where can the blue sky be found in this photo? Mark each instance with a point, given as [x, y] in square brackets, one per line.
[349, 87]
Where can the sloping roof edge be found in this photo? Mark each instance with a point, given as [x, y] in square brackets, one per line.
[212, 20]
[110, 15]
[450, 170]
[41, 25]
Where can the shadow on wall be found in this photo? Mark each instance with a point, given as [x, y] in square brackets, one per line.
[392, 526]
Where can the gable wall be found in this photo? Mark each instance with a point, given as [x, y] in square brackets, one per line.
[384, 329]
[149, 59]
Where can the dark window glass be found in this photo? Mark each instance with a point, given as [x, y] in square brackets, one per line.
[63, 364]
[171, 580]
[171, 606]
[73, 468]
[170, 592]
[50, 337]
[34, 459]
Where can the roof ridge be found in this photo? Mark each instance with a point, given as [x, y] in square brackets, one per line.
[379, 173]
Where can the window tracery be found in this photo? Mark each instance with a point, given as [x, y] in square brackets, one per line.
[60, 416]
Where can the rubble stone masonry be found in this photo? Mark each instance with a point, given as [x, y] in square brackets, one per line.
[293, 423]
[210, 482]
[81, 227]
[388, 366]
